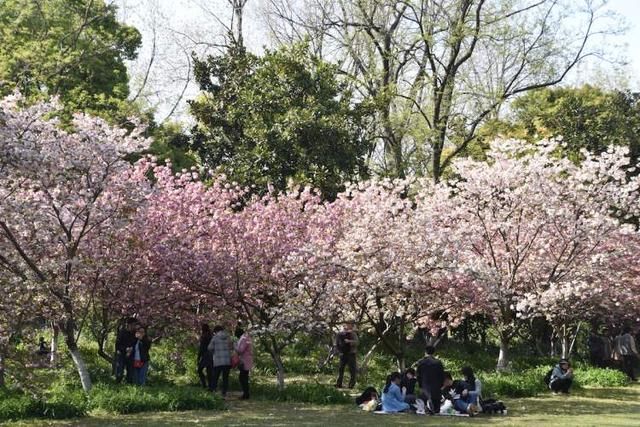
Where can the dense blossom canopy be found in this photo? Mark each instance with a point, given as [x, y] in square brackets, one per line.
[524, 234]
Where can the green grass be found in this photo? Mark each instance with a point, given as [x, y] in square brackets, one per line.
[588, 407]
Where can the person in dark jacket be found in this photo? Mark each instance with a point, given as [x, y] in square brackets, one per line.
[205, 359]
[347, 346]
[369, 394]
[408, 385]
[596, 346]
[474, 385]
[561, 377]
[124, 346]
[431, 378]
[458, 392]
[140, 356]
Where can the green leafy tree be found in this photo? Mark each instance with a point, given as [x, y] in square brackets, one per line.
[279, 117]
[586, 117]
[75, 49]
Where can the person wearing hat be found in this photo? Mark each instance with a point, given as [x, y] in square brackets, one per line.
[561, 377]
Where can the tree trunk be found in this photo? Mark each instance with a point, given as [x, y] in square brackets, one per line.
[362, 367]
[85, 378]
[1, 370]
[402, 362]
[238, 10]
[503, 357]
[566, 343]
[81, 367]
[53, 355]
[401, 355]
[277, 359]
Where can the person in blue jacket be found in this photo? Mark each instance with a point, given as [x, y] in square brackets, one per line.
[392, 399]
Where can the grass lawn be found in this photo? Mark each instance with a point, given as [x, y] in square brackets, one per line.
[591, 407]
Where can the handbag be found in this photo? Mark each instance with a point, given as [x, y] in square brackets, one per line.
[235, 360]
[138, 363]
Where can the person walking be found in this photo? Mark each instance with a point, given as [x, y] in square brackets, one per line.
[627, 349]
[140, 356]
[124, 346]
[431, 379]
[220, 346]
[244, 349]
[347, 346]
[205, 359]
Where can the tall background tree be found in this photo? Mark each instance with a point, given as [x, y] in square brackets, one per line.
[273, 118]
[586, 117]
[74, 49]
[439, 69]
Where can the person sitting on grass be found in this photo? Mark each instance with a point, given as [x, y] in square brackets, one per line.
[408, 385]
[561, 377]
[473, 384]
[458, 392]
[392, 400]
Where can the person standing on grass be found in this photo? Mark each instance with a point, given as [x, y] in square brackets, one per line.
[627, 349]
[347, 346]
[124, 346]
[561, 377]
[220, 346]
[244, 348]
[431, 378]
[140, 356]
[205, 360]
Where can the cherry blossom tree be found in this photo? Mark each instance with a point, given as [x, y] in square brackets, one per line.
[528, 222]
[267, 266]
[58, 188]
[391, 275]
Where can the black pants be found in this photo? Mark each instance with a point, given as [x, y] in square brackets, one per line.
[123, 368]
[217, 370]
[347, 359]
[433, 395]
[244, 383]
[561, 385]
[205, 371]
[628, 363]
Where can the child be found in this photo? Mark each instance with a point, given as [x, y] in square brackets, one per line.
[392, 399]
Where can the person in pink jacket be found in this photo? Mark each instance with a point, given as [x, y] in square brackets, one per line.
[244, 348]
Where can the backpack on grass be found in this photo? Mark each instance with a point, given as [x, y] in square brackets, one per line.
[547, 377]
[492, 406]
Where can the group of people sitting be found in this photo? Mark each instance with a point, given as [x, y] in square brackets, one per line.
[439, 392]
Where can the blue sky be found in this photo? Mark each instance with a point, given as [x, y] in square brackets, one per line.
[629, 10]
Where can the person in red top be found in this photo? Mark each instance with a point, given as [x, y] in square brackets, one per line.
[244, 349]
